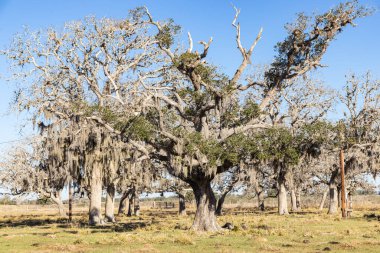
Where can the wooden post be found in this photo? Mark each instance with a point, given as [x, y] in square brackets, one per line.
[70, 201]
[343, 190]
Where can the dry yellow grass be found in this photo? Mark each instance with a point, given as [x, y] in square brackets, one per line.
[164, 231]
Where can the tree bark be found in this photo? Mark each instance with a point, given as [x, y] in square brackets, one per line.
[123, 203]
[349, 200]
[333, 193]
[137, 204]
[261, 200]
[293, 200]
[205, 218]
[95, 215]
[282, 195]
[258, 190]
[61, 208]
[322, 204]
[181, 205]
[219, 207]
[71, 200]
[333, 203]
[298, 200]
[56, 198]
[339, 193]
[130, 205]
[110, 204]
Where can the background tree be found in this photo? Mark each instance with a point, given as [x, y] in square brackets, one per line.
[24, 171]
[170, 184]
[228, 182]
[355, 134]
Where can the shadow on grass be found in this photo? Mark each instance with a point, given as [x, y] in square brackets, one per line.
[32, 222]
[121, 227]
[45, 223]
[371, 216]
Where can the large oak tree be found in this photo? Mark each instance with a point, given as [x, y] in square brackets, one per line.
[173, 107]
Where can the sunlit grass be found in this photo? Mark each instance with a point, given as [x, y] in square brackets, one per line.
[157, 231]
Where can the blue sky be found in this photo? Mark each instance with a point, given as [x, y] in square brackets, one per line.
[355, 50]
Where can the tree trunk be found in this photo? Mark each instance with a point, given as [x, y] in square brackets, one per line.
[61, 208]
[321, 205]
[260, 200]
[95, 215]
[130, 205]
[282, 195]
[110, 204]
[219, 207]
[71, 200]
[333, 193]
[56, 198]
[181, 205]
[339, 193]
[205, 218]
[349, 200]
[258, 190]
[123, 203]
[293, 200]
[137, 204]
[298, 200]
[333, 203]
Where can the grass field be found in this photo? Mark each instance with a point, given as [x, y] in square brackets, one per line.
[164, 231]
